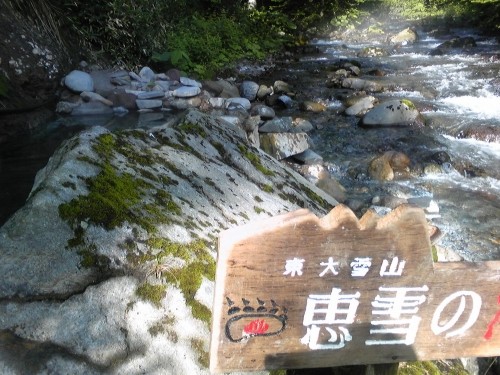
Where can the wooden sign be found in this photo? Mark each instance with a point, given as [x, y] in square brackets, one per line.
[296, 291]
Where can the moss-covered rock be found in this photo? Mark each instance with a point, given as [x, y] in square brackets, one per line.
[144, 210]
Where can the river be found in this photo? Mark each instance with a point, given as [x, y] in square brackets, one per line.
[453, 91]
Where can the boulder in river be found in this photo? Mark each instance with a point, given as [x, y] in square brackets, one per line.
[118, 276]
[397, 112]
[283, 145]
[454, 43]
[388, 165]
[404, 37]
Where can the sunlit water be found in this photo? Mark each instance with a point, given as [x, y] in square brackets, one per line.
[455, 94]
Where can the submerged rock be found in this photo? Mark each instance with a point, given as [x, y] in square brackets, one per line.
[117, 277]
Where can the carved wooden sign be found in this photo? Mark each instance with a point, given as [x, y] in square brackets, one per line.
[296, 291]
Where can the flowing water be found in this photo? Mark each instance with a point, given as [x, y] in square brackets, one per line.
[453, 92]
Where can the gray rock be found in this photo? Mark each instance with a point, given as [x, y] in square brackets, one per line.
[283, 145]
[190, 82]
[277, 125]
[229, 89]
[78, 81]
[281, 87]
[249, 89]
[181, 103]
[252, 123]
[93, 96]
[238, 102]
[398, 112]
[264, 91]
[92, 108]
[217, 102]
[65, 107]
[148, 103]
[361, 106]
[120, 80]
[308, 157]
[362, 84]
[124, 99]
[105, 81]
[150, 94]
[186, 91]
[163, 85]
[135, 76]
[265, 112]
[285, 101]
[332, 187]
[147, 74]
[300, 125]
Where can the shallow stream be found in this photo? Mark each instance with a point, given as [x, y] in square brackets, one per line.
[453, 91]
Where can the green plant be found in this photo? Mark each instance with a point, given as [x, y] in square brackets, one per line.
[151, 293]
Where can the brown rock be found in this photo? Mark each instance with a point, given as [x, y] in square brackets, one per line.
[310, 106]
[398, 160]
[332, 187]
[380, 168]
[123, 99]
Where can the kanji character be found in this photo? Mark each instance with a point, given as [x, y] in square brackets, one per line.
[331, 309]
[394, 307]
[360, 266]
[294, 267]
[396, 268]
[330, 265]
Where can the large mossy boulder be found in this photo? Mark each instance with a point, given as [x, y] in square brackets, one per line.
[109, 267]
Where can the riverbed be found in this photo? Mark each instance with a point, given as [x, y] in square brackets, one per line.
[453, 92]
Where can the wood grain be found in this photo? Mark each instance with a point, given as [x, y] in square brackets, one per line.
[260, 305]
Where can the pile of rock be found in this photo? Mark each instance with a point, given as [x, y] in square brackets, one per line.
[249, 106]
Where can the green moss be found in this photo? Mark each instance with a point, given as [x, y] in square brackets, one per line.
[110, 201]
[408, 103]
[151, 293]
[255, 160]
[258, 209]
[314, 196]
[434, 254]
[190, 128]
[244, 216]
[267, 188]
[189, 278]
[432, 368]
[199, 348]
[277, 372]
[200, 311]
[187, 251]
[258, 199]
[220, 148]
[164, 326]
[105, 146]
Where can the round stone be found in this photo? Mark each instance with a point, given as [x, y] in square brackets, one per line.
[79, 81]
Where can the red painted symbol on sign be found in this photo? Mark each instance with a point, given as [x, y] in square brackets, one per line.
[496, 320]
